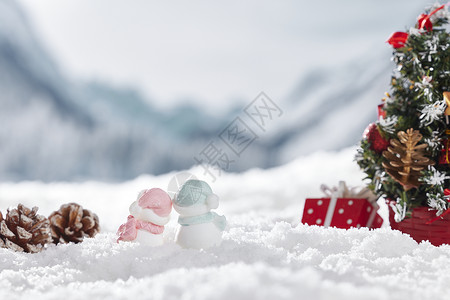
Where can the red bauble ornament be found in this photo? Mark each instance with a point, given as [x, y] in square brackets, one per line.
[377, 142]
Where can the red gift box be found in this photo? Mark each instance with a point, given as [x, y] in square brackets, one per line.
[341, 213]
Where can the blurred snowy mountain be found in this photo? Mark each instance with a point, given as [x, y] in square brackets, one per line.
[55, 129]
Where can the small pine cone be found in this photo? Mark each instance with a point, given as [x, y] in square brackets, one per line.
[72, 223]
[24, 230]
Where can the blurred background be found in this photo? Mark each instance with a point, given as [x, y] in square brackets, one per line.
[109, 89]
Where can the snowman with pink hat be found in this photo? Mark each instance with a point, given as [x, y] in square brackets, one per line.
[148, 215]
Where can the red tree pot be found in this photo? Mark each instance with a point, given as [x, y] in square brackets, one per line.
[438, 232]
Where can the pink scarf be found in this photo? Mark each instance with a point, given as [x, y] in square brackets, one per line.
[128, 231]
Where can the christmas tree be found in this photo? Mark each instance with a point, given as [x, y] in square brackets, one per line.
[405, 154]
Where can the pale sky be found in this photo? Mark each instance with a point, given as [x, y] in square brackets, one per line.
[211, 51]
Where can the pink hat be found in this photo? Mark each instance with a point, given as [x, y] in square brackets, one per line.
[156, 200]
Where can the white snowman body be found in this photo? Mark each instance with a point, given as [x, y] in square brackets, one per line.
[143, 236]
[198, 236]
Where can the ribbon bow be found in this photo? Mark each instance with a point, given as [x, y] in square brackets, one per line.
[342, 191]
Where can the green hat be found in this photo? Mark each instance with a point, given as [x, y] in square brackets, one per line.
[193, 192]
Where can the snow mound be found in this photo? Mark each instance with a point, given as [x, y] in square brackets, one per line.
[265, 254]
[260, 258]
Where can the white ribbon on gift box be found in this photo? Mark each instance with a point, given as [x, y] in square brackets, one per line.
[342, 191]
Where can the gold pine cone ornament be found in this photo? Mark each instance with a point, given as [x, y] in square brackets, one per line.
[406, 158]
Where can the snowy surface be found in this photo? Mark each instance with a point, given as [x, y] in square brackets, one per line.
[265, 254]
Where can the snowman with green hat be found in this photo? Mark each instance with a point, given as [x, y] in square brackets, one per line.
[200, 227]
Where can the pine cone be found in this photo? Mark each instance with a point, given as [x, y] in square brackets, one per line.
[72, 223]
[24, 230]
[406, 159]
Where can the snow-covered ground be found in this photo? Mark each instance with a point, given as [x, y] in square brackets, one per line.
[266, 253]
